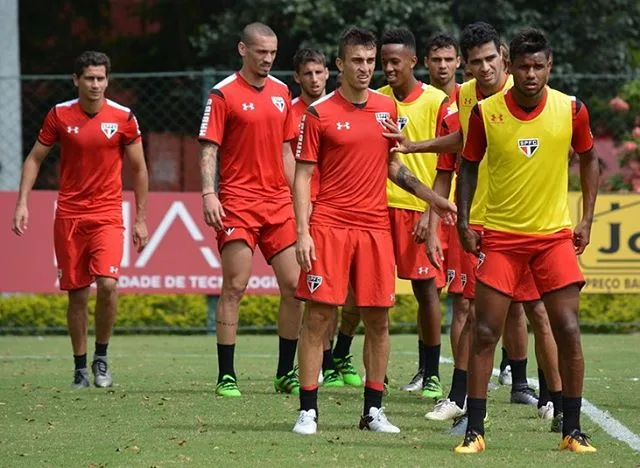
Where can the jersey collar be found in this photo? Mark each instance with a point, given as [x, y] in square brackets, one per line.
[521, 114]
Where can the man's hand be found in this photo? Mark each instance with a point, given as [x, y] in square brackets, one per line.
[470, 240]
[403, 144]
[434, 250]
[213, 211]
[305, 251]
[445, 209]
[421, 229]
[581, 236]
[140, 235]
[20, 219]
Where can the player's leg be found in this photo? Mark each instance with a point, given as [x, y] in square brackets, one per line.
[105, 318]
[516, 341]
[550, 401]
[287, 272]
[78, 325]
[342, 357]
[236, 258]
[426, 294]
[459, 312]
[329, 375]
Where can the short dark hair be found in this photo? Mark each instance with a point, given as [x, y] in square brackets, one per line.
[306, 55]
[91, 58]
[529, 41]
[401, 36]
[355, 36]
[476, 35]
[252, 30]
[441, 40]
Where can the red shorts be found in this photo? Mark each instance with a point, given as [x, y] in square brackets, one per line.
[412, 261]
[550, 259]
[86, 248]
[453, 260]
[268, 224]
[344, 256]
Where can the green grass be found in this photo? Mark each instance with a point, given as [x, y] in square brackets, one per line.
[162, 411]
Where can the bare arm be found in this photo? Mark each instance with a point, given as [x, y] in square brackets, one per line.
[451, 143]
[135, 154]
[441, 186]
[289, 163]
[211, 207]
[589, 180]
[406, 180]
[467, 182]
[30, 170]
[305, 250]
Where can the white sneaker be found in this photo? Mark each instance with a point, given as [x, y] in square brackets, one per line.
[546, 411]
[376, 421]
[320, 378]
[505, 376]
[445, 410]
[307, 423]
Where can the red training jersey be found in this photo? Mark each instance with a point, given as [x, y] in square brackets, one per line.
[345, 141]
[298, 106]
[91, 151]
[249, 125]
[449, 162]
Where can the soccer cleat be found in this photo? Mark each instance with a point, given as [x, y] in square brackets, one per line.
[101, 374]
[307, 423]
[376, 421]
[505, 376]
[349, 374]
[577, 442]
[432, 388]
[556, 423]
[524, 396]
[546, 411]
[228, 387]
[288, 383]
[460, 424]
[472, 443]
[445, 410]
[80, 379]
[332, 378]
[415, 383]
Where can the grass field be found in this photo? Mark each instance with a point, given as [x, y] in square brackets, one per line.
[162, 411]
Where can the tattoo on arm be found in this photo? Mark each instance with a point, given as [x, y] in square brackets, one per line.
[407, 180]
[226, 324]
[208, 163]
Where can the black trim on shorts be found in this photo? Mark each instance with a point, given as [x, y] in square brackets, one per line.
[236, 240]
[581, 284]
[491, 287]
[279, 252]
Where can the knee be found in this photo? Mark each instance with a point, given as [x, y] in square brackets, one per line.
[233, 289]
[486, 335]
[106, 286]
[568, 330]
[317, 320]
[376, 323]
[288, 286]
[537, 315]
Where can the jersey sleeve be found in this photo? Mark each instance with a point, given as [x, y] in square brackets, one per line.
[131, 131]
[476, 144]
[582, 138]
[49, 134]
[443, 111]
[290, 123]
[214, 118]
[447, 161]
[308, 146]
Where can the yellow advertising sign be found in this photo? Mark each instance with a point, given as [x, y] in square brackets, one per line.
[611, 263]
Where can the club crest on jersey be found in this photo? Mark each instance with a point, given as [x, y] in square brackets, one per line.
[313, 282]
[403, 120]
[528, 146]
[109, 129]
[481, 258]
[463, 279]
[451, 275]
[382, 116]
[278, 102]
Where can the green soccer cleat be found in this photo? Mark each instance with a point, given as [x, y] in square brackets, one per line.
[332, 378]
[288, 383]
[228, 387]
[348, 372]
[432, 388]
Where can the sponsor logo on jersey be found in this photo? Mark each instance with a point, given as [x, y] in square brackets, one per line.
[528, 146]
[109, 129]
[343, 125]
[248, 106]
[229, 231]
[278, 102]
[313, 282]
[73, 129]
[205, 118]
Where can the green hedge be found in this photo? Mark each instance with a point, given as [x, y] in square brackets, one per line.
[187, 313]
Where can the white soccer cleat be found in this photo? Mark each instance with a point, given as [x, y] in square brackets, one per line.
[446, 410]
[307, 423]
[546, 411]
[376, 421]
[320, 378]
[505, 376]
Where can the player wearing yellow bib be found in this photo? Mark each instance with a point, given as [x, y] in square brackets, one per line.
[421, 109]
[523, 136]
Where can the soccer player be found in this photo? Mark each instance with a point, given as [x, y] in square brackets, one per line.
[421, 109]
[347, 241]
[524, 135]
[442, 61]
[94, 133]
[247, 126]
